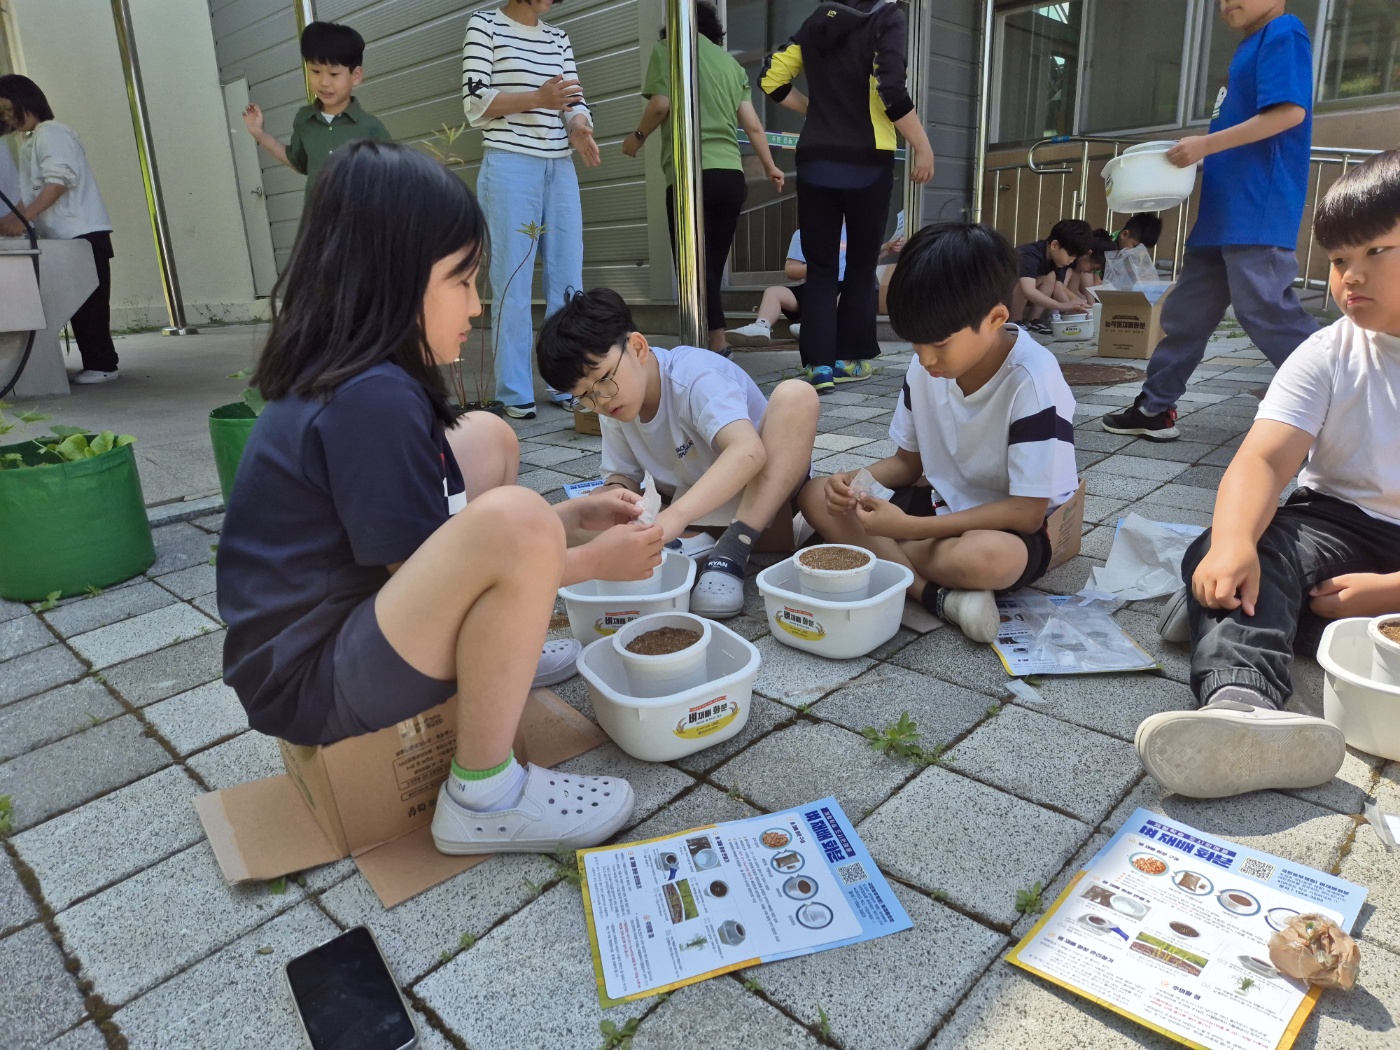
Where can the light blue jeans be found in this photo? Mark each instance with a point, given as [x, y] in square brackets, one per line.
[516, 190]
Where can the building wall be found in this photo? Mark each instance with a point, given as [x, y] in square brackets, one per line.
[950, 107]
[69, 48]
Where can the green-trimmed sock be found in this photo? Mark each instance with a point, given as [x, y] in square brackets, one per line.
[488, 790]
[733, 548]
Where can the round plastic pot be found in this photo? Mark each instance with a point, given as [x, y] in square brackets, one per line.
[69, 526]
[1385, 654]
[650, 585]
[835, 585]
[229, 427]
[664, 675]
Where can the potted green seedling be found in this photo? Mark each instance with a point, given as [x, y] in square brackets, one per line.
[72, 515]
[229, 427]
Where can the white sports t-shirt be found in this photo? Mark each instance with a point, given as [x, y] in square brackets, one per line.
[701, 394]
[1342, 386]
[1013, 437]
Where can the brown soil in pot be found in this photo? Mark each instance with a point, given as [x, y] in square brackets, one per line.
[841, 558]
[663, 640]
[1391, 629]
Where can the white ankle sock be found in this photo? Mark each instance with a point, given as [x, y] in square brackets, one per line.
[500, 790]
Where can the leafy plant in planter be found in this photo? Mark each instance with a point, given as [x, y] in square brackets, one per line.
[229, 427]
[72, 515]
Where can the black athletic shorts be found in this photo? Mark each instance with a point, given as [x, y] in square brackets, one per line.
[917, 501]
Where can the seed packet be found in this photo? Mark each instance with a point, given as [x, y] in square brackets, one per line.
[864, 484]
[1314, 949]
[651, 499]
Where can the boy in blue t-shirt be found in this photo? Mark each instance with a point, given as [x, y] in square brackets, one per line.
[1243, 248]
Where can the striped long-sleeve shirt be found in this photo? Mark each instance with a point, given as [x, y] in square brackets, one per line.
[501, 55]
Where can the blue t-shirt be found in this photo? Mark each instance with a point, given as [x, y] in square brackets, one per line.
[1254, 194]
[329, 492]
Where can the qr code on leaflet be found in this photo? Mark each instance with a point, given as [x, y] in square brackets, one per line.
[852, 873]
[1257, 869]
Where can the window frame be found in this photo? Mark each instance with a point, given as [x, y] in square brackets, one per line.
[998, 62]
[1182, 87]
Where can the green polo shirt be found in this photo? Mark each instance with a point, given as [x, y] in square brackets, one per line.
[313, 139]
[723, 87]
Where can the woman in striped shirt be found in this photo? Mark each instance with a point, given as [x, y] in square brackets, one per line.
[520, 86]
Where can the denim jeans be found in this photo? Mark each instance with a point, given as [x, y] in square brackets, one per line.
[516, 190]
[1312, 538]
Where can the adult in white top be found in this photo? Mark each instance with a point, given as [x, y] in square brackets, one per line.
[60, 198]
[520, 87]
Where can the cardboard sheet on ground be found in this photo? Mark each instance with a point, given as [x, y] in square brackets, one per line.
[672, 911]
[1145, 560]
[1064, 634]
[1169, 926]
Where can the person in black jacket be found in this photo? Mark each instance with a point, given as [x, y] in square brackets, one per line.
[854, 55]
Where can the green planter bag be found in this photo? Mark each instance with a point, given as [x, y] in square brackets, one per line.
[69, 526]
[229, 427]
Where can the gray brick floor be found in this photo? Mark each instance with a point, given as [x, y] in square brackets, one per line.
[117, 929]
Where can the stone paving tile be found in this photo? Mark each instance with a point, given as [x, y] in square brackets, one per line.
[1130, 466]
[941, 710]
[653, 784]
[1362, 1019]
[1368, 864]
[140, 932]
[795, 765]
[179, 547]
[1116, 486]
[873, 431]
[193, 720]
[543, 481]
[108, 608]
[798, 677]
[719, 1013]
[855, 413]
[209, 606]
[37, 671]
[950, 656]
[166, 672]
[1081, 699]
[1050, 762]
[1187, 497]
[194, 582]
[570, 439]
[16, 907]
[23, 634]
[494, 1002]
[1346, 792]
[839, 442]
[53, 715]
[38, 997]
[696, 809]
[1011, 1010]
[1057, 885]
[9, 610]
[586, 467]
[210, 522]
[1101, 509]
[112, 836]
[1097, 542]
[75, 769]
[548, 455]
[890, 992]
[209, 1003]
[1069, 578]
[1084, 460]
[84, 1037]
[141, 635]
[842, 462]
[416, 933]
[1174, 657]
[764, 714]
[1033, 843]
[1177, 451]
[1264, 820]
[1153, 510]
[248, 756]
[1101, 441]
[1202, 477]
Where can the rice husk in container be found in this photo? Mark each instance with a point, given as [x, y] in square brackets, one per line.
[1314, 949]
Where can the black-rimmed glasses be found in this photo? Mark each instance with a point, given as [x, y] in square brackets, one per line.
[605, 389]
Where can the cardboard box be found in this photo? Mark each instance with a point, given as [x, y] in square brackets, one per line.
[1131, 325]
[588, 423]
[370, 797]
[1066, 529]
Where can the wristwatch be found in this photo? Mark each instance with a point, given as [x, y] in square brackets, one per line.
[640, 136]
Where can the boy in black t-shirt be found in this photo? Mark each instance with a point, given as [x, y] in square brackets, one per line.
[1045, 266]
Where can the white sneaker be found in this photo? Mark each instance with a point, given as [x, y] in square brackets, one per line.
[1174, 625]
[693, 546]
[556, 811]
[756, 333]
[795, 328]
[90, 376]
[717, 595]
[558, 662]
[1229, 748]
[974, 613]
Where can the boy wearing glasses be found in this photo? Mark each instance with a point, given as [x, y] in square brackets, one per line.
[720, 454]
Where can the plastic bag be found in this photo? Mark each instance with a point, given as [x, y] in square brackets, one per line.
[651, 499]
[864, 485]
[1314, 949]
[1128, 268]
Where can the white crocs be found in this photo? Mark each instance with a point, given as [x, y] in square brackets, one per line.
[556, 811]
[717, 595]
[558, 662]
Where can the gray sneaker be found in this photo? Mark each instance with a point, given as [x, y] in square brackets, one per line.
[1174, 625]
[1230, 748]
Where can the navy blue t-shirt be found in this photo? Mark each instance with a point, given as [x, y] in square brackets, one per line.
[1254, 194]
[328, 494]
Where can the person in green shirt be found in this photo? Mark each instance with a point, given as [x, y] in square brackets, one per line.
[724, 98]
[334, 56]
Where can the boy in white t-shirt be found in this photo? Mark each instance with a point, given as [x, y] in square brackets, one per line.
[719, 453]
[985, 431]
[1264, 576]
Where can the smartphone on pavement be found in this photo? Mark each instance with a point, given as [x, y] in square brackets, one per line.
[347, 998]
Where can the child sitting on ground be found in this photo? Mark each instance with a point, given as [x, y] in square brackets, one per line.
[334, 56]
[1332, 550]
[1044, 268]
[718, 451]
[1087, 271]
[985, 431]
[377, 557]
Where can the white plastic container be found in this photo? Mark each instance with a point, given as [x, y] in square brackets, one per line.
[651, 585]
[664, 728]
[666, 673]
[838, 630]
[837, 585]
[1142, 179]
[1073, 328]
[1366, 711]
[593, 615]
[1385, 654]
